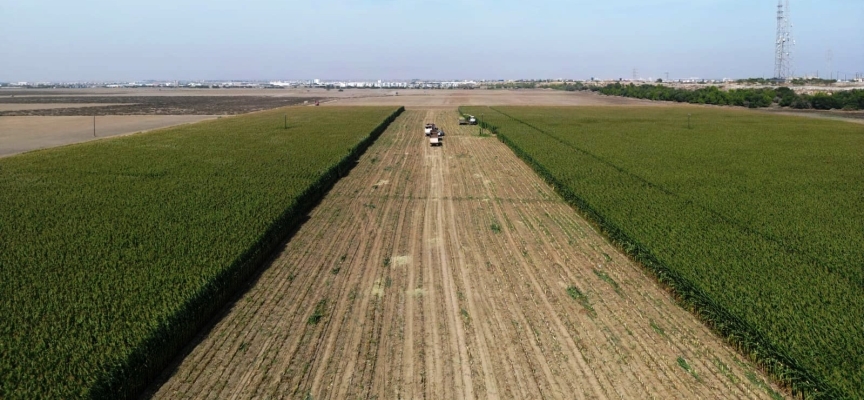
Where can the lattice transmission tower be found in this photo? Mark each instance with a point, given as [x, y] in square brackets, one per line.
[783, 52]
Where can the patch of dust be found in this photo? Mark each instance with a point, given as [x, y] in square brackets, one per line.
[400, 260]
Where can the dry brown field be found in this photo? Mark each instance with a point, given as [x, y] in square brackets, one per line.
[454, 97]
[120, 92]
[20, 134]
[27, 107]
[443, 273]
[450, 99]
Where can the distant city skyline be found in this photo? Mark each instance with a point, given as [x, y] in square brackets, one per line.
[101, 40]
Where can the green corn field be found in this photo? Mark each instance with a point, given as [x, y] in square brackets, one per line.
[114, 253]
[755, 221]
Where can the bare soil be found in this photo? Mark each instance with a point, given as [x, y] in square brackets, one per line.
[449, 99]
[454, 272]
[837, 115]
[35, 106]
[185, 92]
[144, 105]
[20, 134]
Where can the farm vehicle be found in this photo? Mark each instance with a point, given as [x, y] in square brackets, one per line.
[470, 120]
[435, 134]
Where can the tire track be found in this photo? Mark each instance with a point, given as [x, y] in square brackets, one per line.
[543, 357]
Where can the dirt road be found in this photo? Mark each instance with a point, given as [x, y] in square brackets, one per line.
[454, 272]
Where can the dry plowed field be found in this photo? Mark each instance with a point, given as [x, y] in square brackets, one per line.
[444, 273]
[20, 134]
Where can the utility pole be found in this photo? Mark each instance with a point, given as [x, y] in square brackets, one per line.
[783, 43]
[94, 125]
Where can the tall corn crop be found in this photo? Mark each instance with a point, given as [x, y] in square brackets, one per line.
[756, 222]
[114, 253]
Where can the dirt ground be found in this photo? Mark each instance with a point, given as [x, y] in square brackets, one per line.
[836, 115]
[33, 106]
[413, 97]
[454, 272]
[144, 105]
[185, 92]
[20, 134]
[449, 99]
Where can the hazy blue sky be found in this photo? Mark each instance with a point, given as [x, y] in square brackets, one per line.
[402, 39]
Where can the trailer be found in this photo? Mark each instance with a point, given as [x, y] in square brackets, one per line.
[434, 134]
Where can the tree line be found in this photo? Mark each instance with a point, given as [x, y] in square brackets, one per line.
[752, 98]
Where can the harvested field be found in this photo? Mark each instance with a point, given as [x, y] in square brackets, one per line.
[20, 134]
[454, 272]
[37, 119]
[4, 107]
[837, 115]
[449, 99]
[408, 97]
[144, 105]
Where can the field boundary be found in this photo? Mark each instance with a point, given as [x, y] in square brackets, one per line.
[129, 377]
[735, 331]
